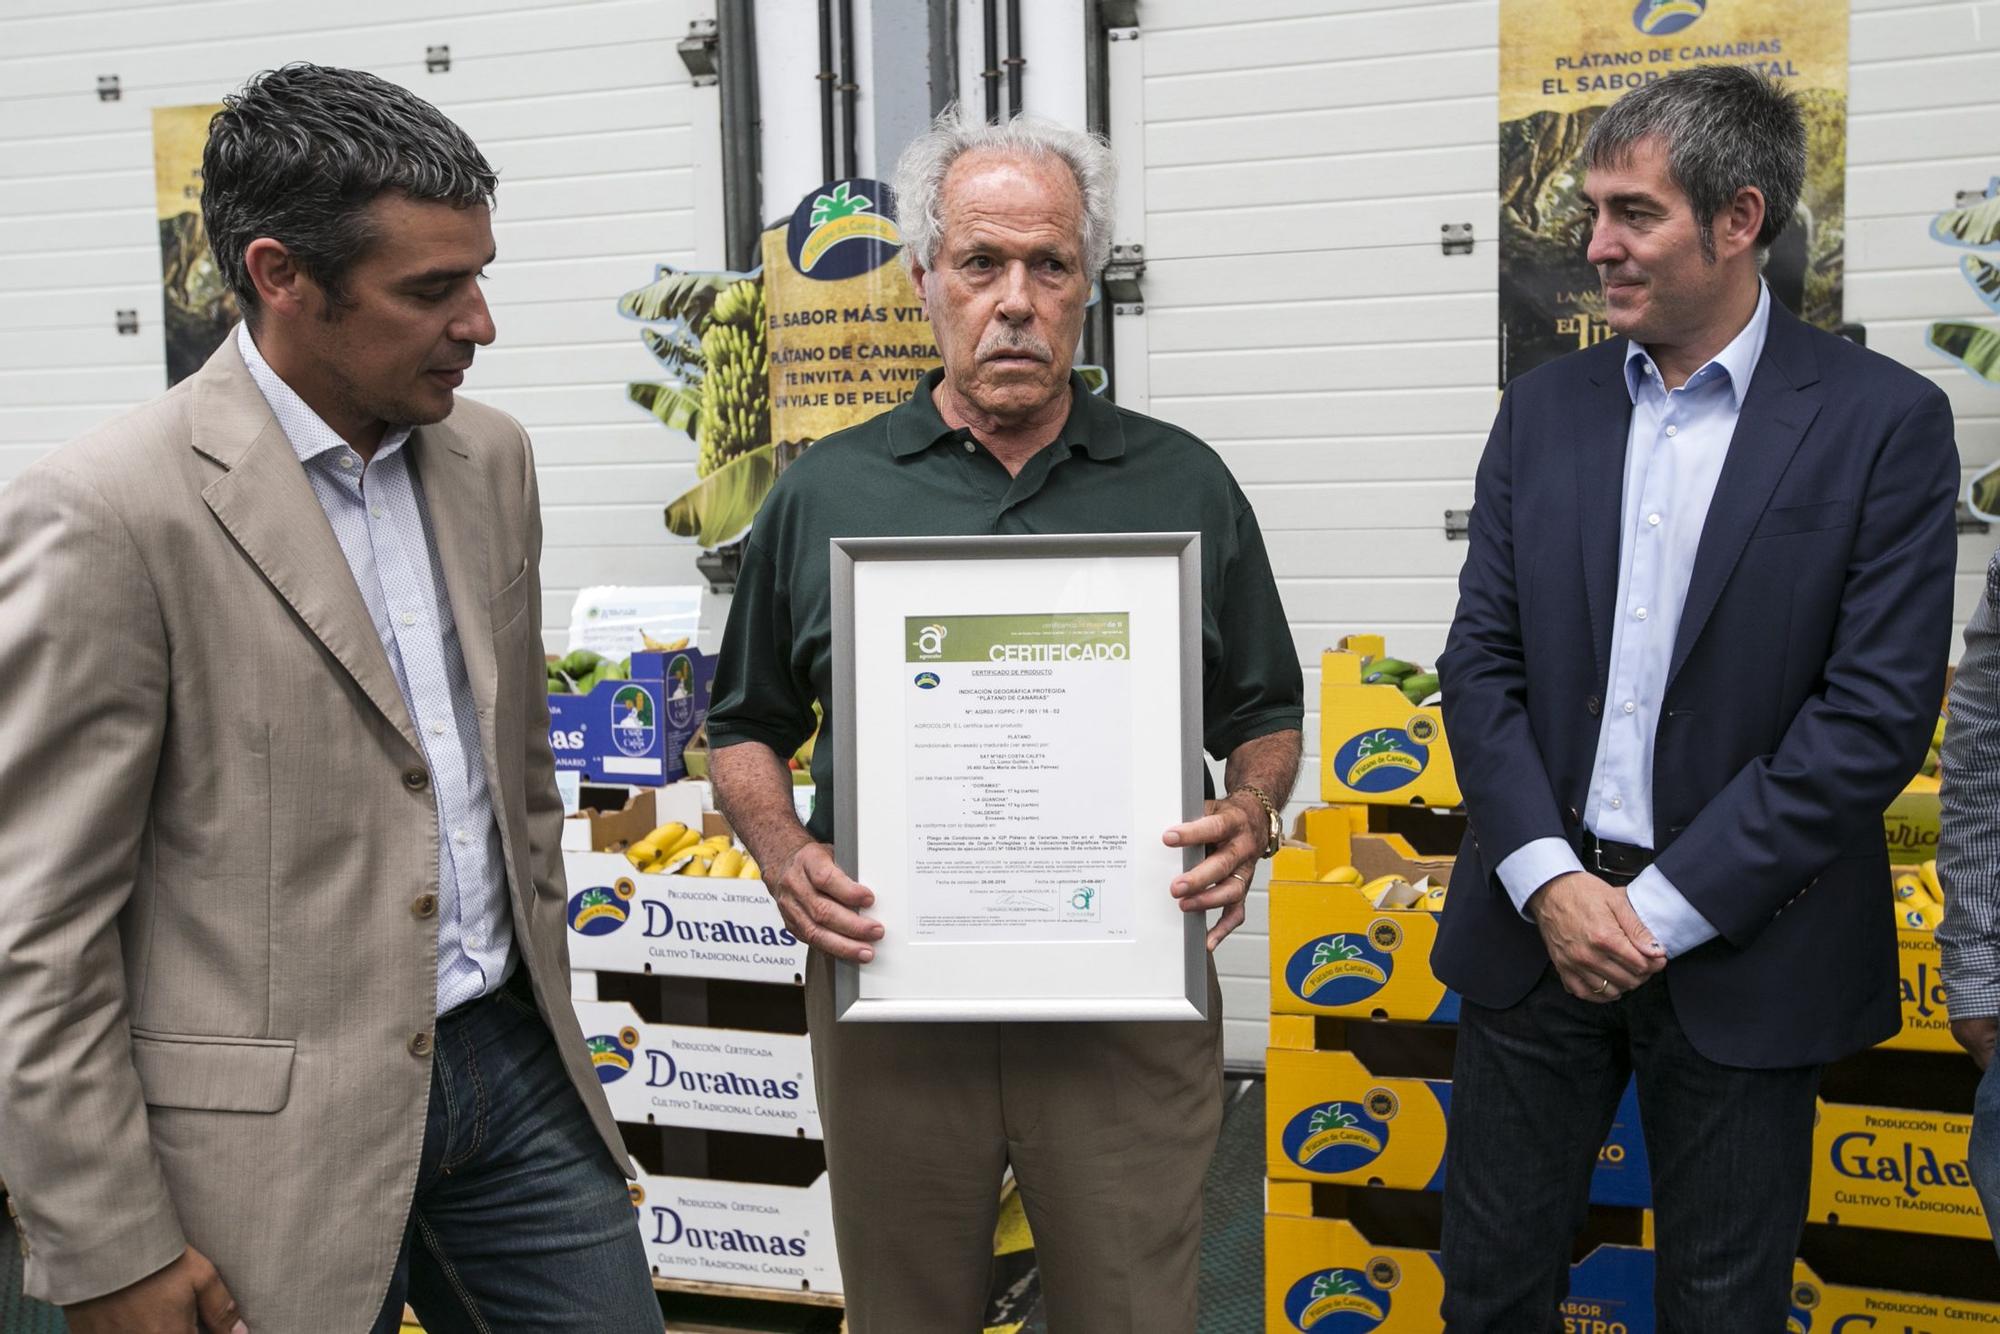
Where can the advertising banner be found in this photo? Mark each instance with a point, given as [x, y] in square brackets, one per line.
[200, 310]
[1563, 61]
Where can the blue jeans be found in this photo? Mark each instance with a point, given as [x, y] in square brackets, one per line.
[1534, 1090]
[521, 1219]
[1982, 1153]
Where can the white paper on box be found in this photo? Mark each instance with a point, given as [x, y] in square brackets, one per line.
[738, 1232]
[626, 921]
[704, 1078]
[610, 619]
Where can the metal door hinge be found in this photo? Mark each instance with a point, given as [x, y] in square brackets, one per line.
[108, 89]
[698, 52]
[1458, 524]
[1456, 238]
[437, 59]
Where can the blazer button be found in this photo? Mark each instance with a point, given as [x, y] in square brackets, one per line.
[425, 906]
[420, 1045]
[416, 780]
[1595, 705]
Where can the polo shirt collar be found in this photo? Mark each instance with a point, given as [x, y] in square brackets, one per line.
[1092, 426]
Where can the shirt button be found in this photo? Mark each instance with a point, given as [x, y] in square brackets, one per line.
[409, 618]
[437, 729]
[375, 513]
[460, 836]
[416, 780]
[1639, 612]
[969, 446]
[347, 460]
[420, 1045]
[426, 905]
[1653, 519]
[1617, 804]
[1646, 367]
[1673, 430]
[1630, 707]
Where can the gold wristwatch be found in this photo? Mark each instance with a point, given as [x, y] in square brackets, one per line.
[1274, 831]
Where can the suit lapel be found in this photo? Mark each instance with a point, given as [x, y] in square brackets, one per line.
[458, 525]
[265, 502]
[1780, 406]
[1604, 422]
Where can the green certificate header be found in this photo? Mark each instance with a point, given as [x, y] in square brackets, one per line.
[1056, 637]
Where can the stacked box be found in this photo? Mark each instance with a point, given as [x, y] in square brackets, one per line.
[1375, 746]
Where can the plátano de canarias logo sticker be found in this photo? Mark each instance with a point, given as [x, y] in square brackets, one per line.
[611, 1053]
[1345, 968]
[1334, 1301]
[1335, 1137]
[1381, 760]
[601, 909]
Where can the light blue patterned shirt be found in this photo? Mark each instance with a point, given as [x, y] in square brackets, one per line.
[1673, 456]
[383, 526]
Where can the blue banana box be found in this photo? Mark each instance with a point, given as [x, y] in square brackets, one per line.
[635, 731]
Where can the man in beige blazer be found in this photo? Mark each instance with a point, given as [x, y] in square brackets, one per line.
[285, 1034]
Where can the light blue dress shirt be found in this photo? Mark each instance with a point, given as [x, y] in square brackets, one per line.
[383, 526]
[1673, 456]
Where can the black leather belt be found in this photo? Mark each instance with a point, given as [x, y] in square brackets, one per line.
[1617, 863]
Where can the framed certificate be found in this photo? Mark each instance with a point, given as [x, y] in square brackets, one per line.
[1017, 721]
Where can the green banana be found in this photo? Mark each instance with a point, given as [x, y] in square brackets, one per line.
[1421, 687]
[1386, 671]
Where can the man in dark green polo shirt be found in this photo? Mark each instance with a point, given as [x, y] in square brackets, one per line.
[1108, 1126]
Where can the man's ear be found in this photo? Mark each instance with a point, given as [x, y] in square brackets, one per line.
[282, 286]
[1737, 225]
[919, 276]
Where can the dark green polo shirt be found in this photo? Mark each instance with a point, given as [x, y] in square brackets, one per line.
[907, 474]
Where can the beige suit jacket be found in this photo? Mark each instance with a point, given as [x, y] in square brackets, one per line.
[216, 983]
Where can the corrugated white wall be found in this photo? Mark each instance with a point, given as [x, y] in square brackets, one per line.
[608, 164]
[1298, 159]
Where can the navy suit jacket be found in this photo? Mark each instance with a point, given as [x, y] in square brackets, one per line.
[1804, 684]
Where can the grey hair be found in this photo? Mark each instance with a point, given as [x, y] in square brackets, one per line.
[921, 170]
[1724, 127]
[300, 153]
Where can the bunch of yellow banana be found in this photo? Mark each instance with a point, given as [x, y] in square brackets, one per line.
[662, 845]
[1919, 898]
[652, 645]
[1390, 891]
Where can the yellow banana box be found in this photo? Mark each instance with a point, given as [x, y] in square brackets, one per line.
[1891, 1168]
[1375, 746]
[1911, 822]
[1329, 1118]
[1926, 1027]
[1323, 1276]
[1334, 952]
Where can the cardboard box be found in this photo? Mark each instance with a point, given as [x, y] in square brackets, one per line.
[1911, 822]
[738, 1232]
[1926, 1026]
[1375, 746]
[1328, 1118]
[1890, 1168]
[704, 1078]
[1322, 1276]
[626, 921]
[1335, 953]
[634, 731]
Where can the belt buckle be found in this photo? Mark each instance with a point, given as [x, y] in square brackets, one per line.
[1597, 857]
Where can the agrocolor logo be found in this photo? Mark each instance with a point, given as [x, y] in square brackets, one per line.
[1381, 761]
[600, 910]
[1658, 18]
[1345, 968]
[930, 641]
[845, 229]
[1334, 1301]
[927, 680]
[1335, 1137]
[611, 1053]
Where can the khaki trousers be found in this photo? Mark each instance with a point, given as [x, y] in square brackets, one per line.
[1109, 1129]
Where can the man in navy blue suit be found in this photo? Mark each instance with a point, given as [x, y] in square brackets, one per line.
[1700, 644]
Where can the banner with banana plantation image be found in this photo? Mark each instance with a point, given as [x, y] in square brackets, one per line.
[198, 306]
[1563, 61]
[825, 333]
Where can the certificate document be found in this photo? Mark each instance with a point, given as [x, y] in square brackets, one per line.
[1018, 735]
[1016, 722]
